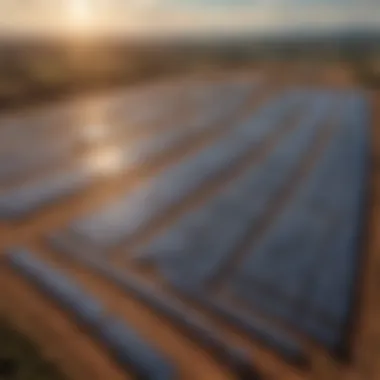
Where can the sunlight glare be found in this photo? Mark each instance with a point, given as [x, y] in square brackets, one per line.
[105, 161]
[80, 13]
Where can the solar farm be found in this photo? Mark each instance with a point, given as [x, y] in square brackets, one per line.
[194, 230]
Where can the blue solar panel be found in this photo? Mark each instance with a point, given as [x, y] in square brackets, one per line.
[197, 245]
[126, 216]
[302, 270]
[124, 343]
[19, 202]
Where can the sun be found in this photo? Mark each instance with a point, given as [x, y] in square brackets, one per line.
[80, 13]
[79, 8]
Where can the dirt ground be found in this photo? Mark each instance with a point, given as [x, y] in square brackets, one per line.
[80, 357]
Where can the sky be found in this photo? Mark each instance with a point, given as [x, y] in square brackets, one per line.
[162, 17]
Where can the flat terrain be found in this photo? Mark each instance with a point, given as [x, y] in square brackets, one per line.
[115, 183]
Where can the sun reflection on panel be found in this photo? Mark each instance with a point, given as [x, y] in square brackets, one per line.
[105, 161]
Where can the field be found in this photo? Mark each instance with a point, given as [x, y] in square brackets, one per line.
[228, 222]
[35, 71]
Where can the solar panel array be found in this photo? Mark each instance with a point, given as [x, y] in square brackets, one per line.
[271, 245]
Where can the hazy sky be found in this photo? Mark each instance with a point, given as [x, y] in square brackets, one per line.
[183, 16]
